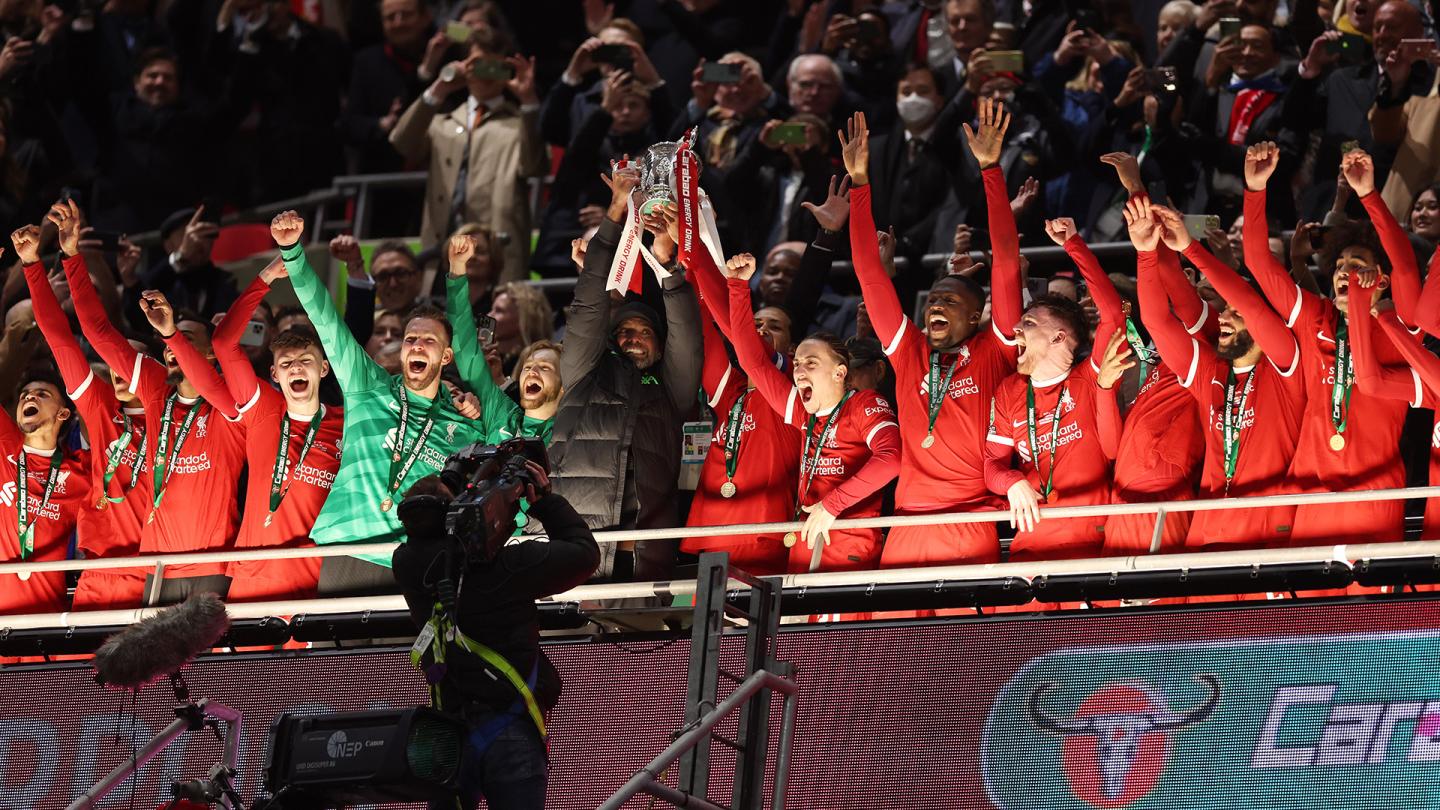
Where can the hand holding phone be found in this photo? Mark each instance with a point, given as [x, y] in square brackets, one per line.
[721, 73]
[1197, 225]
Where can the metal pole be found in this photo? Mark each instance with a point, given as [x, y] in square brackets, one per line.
[675, 797]
[125, 769]
[152, 594]
[782, 759]
[1159, 531]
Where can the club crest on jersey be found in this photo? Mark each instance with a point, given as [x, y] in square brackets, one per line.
[201, 422]
[450, 431]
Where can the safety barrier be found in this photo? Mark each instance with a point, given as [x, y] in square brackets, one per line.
[1027, 571]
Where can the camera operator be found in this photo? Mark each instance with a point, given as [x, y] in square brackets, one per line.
[463, 574]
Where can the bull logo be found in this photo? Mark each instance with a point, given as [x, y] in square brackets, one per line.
[1118, 740]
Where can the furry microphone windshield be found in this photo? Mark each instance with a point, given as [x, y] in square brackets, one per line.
[160, 645]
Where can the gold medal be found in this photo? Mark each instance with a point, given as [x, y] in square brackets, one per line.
[727, 489]
[270, 518]
[386, 504]
[395, 458]
[102, 503]
[929, 441]
[1337, 442]
[791, 538]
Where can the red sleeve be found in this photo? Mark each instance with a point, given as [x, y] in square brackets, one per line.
[1270, 332]
[882, 303]
[1425, 364]
[1177, 347]
[235, 365]
[1276, 282]
[769, 381]
[1185, 300]
[1107, 421]
[882, 435]
[70, 358]
[112, 346]
[1102, 290]
[1372, 376]
[1005, 301]
[199, 373]
[1404, 271]
[1427, 315]
[10, 435]
[716, 375]
[1000, 448]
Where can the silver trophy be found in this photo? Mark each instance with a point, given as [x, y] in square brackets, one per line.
[657, 176]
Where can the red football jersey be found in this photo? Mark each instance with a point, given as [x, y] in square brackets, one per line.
[307, 485]
[1370, 458]
[40, 592]
[1078, 463]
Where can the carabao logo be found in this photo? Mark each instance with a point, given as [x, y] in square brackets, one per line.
[1116, 743]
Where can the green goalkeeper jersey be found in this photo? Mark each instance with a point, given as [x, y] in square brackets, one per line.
[355, 511]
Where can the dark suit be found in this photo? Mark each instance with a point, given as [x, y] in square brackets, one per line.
[1208, 144]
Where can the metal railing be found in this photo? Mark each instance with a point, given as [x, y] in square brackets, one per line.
[647, 780]
[626, 590]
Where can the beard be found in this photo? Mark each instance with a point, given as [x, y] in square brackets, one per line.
[174, 376]
[1240, 345]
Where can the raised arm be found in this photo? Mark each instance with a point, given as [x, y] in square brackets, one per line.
[1359, 171]
[1269, 330]
[95, 322]
[1185, 301]
[69, 357]
[587, 319]
[986, 145]
[1425, 364]
[1177, 347]
[882, 302]
[1371, 376]
[353, 368]
[1114, 360]
[1275, 281]
[235, 366]
[197, 370]
[769, 381]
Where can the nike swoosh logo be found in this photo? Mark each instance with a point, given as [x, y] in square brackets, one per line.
[1021, 423]
[1321, 334]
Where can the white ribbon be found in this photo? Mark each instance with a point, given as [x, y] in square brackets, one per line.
[622, 267]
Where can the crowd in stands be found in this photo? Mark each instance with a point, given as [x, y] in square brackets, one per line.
[1266, 161]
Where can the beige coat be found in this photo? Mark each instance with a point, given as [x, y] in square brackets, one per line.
[504, 150]
[1416, 128]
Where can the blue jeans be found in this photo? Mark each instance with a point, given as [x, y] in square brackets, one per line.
[510, 772]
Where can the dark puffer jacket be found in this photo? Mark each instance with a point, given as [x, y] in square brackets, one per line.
[612, 415]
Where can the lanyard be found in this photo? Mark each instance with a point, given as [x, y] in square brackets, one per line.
[1231, 422]
[114, 452]
[402, 460]
[278, 486]
[1343, 378]
[1054, 432]
[1143, 355]
[732, 435]
[440, 630]
[831, 424]
[27, 526]
[163, 466]
[938, 390]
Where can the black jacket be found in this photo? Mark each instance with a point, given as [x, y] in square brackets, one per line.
[617, 425]
[496, 603]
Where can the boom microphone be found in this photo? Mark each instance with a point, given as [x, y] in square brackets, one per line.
[160, 645]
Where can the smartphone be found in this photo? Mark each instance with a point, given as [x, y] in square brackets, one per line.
[1087, 19]
[493, 70]
[1349, 46]
[109, 240]
[721, 73]
[1317, 237]
[485, 330]
[458, 32]
[254, 334]
[611, 54]
[867, 30]
[1007, 61]
[1198, 224]
[1230, 27]
[788, 135]
[1418, 50]
[1161, 79]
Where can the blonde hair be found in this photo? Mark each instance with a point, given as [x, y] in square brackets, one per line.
[537, 319]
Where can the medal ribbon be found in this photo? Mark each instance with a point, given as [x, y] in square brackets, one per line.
[114, 452]
[26, 526]
[732, 435]
[1143, 355]
[1030, 423]
[163, 467]
[938, 391]
[279, 488]
[1342, 383]
[400, 464]
[825, 434]
[1231, 420]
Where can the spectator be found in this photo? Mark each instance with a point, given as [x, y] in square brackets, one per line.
[1336, 101]
[969, 23]
[1407, 122]
[581, 89]
[813, 85]
[1175, 18]
[479, 149]
[683, 32]
[918, 32]
[397, 277]
[1425, 216]
[24, 175]
[482, 267]
[629, 379]
[185, 272]
[522, 317]
[868, 65]
[777, 179]
[778, 273]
